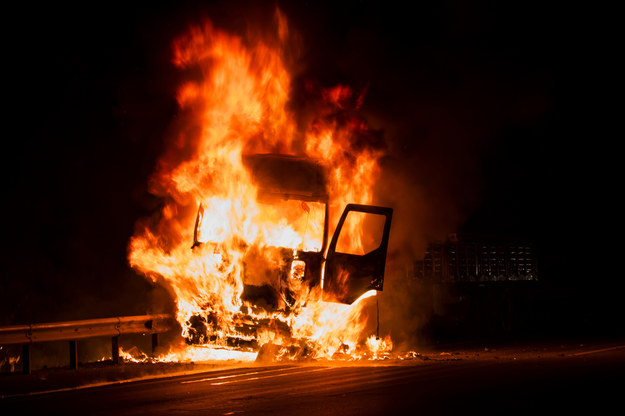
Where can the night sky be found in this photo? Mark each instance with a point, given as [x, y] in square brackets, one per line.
[489, 112]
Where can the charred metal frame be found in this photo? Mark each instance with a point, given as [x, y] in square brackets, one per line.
[288, 177]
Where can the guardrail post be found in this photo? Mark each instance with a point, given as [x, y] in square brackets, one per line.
[115, 349]
[73, 355]
[26, 358]
[154, 341]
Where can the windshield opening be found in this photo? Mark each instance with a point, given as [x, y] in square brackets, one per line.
[300, 224]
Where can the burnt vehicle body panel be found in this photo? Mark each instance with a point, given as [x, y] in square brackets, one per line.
[288, 177]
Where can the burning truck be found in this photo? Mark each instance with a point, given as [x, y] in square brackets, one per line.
[279, 281]
[251, 190]
[286, 295]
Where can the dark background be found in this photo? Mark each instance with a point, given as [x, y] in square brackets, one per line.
[492, 113]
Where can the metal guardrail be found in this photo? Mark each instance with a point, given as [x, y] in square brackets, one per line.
[91, 328]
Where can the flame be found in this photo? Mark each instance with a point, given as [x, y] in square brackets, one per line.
[236, 103]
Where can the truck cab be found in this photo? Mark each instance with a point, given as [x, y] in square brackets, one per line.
[299, 185]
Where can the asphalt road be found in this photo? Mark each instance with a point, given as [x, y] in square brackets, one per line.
[493, 382]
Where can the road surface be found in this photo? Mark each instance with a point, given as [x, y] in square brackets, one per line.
[491, 382]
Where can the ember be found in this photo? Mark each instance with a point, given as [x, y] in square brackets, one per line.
[242, 239]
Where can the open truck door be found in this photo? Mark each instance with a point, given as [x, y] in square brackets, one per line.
[348, 275]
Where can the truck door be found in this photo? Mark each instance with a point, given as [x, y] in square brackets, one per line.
[348, 275]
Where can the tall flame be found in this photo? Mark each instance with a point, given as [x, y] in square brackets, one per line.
[236, 102]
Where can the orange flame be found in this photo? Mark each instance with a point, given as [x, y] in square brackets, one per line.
[236, 103]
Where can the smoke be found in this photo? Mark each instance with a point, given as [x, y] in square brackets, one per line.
[439, 92]
[439, 84]
[431, 178]
[432, 133]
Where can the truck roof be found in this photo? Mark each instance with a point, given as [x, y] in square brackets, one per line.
[287, 176]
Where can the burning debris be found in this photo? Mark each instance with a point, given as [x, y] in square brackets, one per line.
[250, 196]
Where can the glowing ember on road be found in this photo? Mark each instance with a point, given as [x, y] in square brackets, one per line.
[258, 237]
